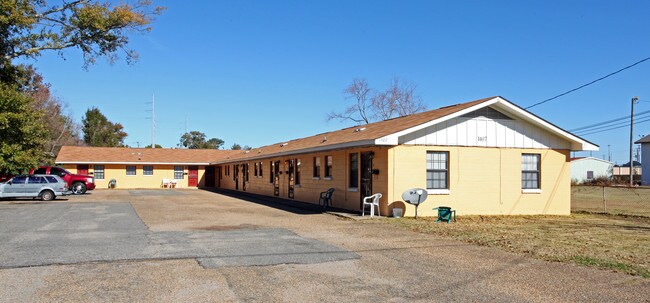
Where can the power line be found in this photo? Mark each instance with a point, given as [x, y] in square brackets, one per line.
[584, 128]
[590, 83]
[616, 127]
[605, 127]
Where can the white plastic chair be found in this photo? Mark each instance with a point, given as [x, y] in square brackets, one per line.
[173, 183]
[165, 183]
[371, 201]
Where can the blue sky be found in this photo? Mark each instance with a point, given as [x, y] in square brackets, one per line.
[261, 72]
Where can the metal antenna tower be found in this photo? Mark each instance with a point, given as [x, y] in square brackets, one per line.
[153, 121]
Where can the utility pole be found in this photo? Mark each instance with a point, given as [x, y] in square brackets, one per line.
[634, 100]
[609, 153]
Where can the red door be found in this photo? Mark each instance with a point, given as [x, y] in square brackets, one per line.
[193, 176]
[82, 169]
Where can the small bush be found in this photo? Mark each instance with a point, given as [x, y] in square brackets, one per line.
[600, 181]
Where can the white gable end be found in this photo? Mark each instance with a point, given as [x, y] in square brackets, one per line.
[485, 132]
[503, 124]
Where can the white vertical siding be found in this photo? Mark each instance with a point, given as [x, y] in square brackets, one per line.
[645, 161]
[485, 132]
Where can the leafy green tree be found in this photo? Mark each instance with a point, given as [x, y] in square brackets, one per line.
[213, 143]
[30, 27]
[61, 127]
[99, 131]
[196, 140]
[22, 134]
[97, 28]
[157, 146]
[239, 147]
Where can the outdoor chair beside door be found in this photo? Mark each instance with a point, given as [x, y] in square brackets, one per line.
[372, 202]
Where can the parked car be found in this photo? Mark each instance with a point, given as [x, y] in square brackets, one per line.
[77, 183]
[45, 187]
[5, 178]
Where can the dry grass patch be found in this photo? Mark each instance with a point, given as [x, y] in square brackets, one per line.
[612, 200]
[621, 243]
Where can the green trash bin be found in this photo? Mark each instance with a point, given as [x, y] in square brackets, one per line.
[445, 214]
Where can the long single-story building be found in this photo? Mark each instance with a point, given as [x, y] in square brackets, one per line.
[487, 156]
[143, 167]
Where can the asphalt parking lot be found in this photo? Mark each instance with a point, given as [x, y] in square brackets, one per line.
[74, 233]
[193, 245]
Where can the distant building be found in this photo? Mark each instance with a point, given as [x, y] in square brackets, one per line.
[645, 157]
[589, 168]
[622, 172]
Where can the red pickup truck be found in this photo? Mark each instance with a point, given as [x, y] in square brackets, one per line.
[77, 183]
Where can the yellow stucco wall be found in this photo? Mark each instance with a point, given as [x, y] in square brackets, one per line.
[483, 181]
[310, 188]
[118, 172]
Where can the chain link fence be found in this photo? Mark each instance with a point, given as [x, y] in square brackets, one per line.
[611, 199]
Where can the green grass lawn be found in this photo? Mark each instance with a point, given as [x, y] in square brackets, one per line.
[616, 242]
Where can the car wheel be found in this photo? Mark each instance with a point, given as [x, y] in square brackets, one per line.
[78, 188]
[47, 195]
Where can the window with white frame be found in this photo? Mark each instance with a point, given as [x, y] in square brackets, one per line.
[530, 171]
[147, 170]
[178, 172]
[437, 170]
[130, 170]
[98, 172]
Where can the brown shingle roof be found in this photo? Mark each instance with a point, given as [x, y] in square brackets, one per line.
[354, 134]
[645, 139]
[87, 154]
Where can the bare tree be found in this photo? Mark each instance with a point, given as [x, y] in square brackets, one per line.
[399, 99]
[358, 112]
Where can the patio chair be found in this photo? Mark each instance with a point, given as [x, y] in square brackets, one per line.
[372, 201]
[173, 183]
[326, 198]
[445, 214]
[165, 183]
